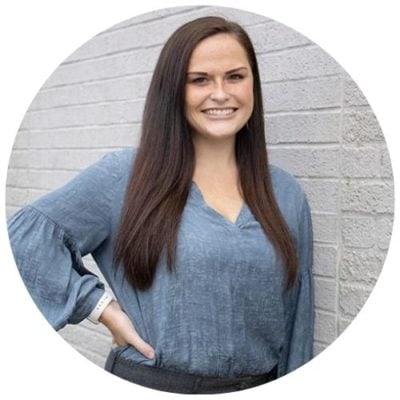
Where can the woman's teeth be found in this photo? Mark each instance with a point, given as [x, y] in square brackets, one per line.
[220, 111]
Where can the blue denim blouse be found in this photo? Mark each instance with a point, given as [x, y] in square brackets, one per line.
[223, 313]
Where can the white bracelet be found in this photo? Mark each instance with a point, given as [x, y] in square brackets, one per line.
[104, 301]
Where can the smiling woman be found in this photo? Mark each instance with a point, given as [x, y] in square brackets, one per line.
[208, 248]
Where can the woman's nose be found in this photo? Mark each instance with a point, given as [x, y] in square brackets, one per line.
[219, 92]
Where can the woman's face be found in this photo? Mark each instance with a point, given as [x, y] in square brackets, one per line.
[219, 88]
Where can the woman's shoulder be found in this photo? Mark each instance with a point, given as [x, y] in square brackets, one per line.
[284, 180]
[123, 157]
[108, 173]
[288, 191]
[289, 194]
[119, 162]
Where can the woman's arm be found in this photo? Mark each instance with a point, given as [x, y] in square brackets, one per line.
[50, 236]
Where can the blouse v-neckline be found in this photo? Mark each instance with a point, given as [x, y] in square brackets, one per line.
[214, 212]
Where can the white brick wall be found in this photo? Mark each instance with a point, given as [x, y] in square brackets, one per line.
[319, 127]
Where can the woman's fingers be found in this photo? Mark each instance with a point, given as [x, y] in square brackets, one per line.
[128, 334]
[140, 345]
[123, 330]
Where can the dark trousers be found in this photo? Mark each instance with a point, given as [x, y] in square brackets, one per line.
[179, 382]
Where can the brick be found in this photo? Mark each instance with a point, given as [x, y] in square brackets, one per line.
[353, 96]
[325, 260]
[130, 38]
[360, 162]
[322, 194]
[125, 88]
[17, 197]
[55, 159]
[135, 62]
[361, 266]
[325, 228]
[42, 180]
[107, 136]
[153, 33]
[352, 299]
[302, 95]
[383, 232]
[361, 127]
[308, 128]
[136, 30]
[358, 231]
[325, 327]
[275, 36]
[299, 63]
[98, 114]
[307, 160]
[363, 196]
[325, 294]
[11, 210]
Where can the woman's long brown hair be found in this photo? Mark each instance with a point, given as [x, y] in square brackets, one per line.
[164, 165]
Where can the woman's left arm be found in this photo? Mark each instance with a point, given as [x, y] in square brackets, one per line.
[299, 319]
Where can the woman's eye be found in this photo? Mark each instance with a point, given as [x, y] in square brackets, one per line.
[199, 80]
[236, 77]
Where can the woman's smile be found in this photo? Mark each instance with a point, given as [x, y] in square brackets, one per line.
[220, 113]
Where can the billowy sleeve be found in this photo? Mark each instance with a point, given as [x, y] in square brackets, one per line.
[50, 236]
[299, 315]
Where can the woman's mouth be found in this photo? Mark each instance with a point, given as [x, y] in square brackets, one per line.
[220, 112]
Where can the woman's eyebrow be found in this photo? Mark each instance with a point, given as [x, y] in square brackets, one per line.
[227, 72]
[236, 70]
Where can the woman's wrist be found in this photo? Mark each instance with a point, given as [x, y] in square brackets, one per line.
[98, 310]
[108, 314]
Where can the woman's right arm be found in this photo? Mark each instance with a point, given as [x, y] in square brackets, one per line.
[50, 236]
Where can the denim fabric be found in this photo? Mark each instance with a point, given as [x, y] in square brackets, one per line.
[224, 313]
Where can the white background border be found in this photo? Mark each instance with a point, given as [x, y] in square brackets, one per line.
[37, 36]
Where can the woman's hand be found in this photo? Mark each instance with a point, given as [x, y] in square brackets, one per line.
[122, 329]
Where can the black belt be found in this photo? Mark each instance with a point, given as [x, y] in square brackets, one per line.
[179, 382]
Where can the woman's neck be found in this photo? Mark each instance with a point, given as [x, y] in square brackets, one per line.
[215, 158]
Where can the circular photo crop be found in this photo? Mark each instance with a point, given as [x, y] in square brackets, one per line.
[200, 200]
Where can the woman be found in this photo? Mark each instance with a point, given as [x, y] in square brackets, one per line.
[207, 247]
